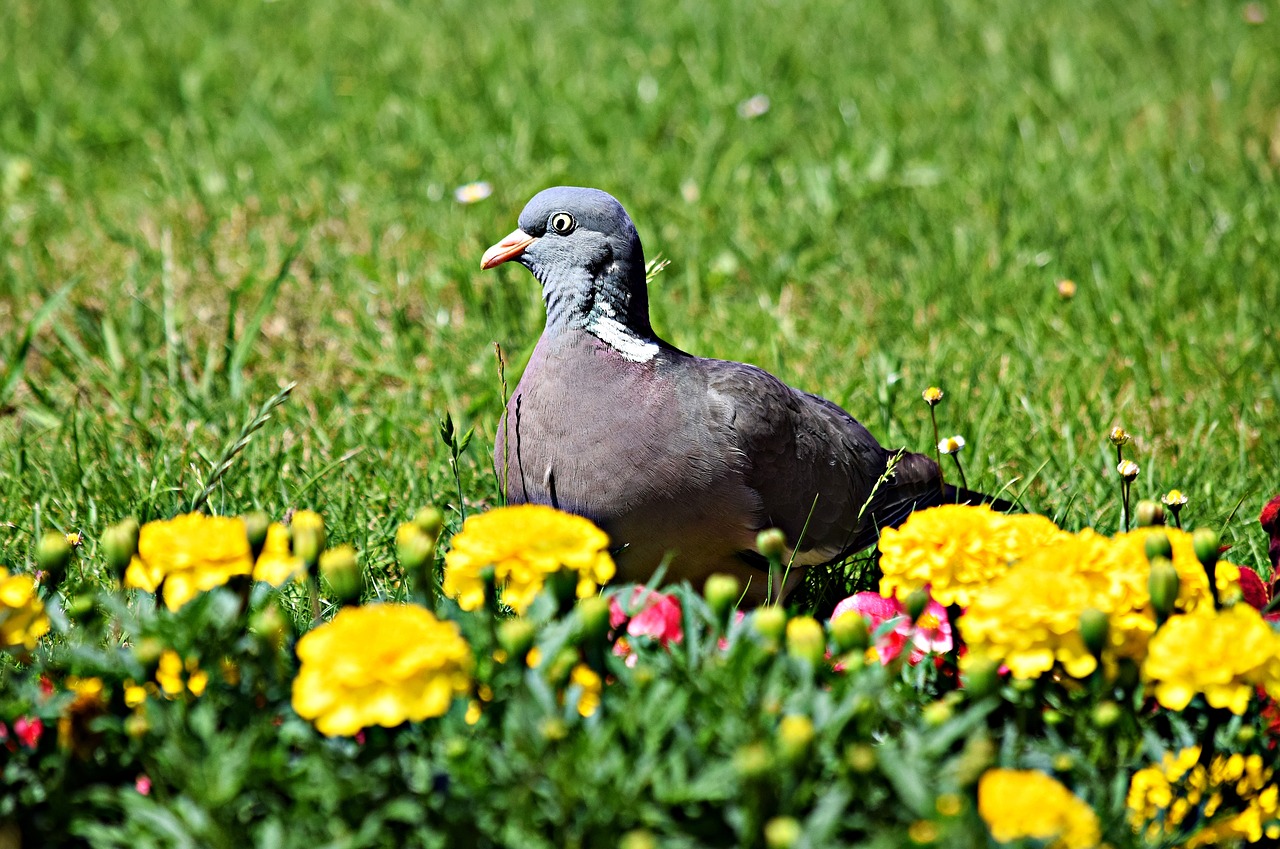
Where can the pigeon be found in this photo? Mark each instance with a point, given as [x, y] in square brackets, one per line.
[680, 459]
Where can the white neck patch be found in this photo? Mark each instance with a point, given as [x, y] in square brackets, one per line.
[619, 337]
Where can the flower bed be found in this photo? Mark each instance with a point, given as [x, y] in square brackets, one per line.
[1015, 682]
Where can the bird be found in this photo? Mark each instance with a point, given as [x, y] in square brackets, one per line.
[682, 460]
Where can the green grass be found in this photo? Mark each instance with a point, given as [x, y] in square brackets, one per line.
[204, 202]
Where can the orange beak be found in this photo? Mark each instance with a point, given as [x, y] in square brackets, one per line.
[509, 248]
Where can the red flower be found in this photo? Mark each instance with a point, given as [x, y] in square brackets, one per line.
[932, 633]
[28, 730]
[1270, 521]
[652, 615]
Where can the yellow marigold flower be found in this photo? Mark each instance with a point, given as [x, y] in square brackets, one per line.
[1224, 655]
[1130, 560]
[956, 550]
[589, 681]
[525, 545]
[1029, 617]
[1017, 804]
[381, 664]
[276, 562]
[1182, 790]
[22, 618]
[189, 555]
[932, 395]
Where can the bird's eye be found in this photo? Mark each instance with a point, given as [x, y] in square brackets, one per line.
[562, 223]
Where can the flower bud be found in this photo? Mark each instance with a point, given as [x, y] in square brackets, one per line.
[1128, 470]
[795, 736]
[1106, 714]
[770, 622]
[1119, 436]
[53, 554]
[752, 761]
[916, 604]
[83, 608]
[772, 543]
[256, 523]
[806, 639]
[1157, 544]
[1095, 628]
[429, 520]
[593, 617]
[1162, 584]
[414, 549]
[782, 833]
[860, 757]
[932, 395]
[339, 567]
[1149, 513]
[982, 677]
[936, 713]
[272, 625]
[308, 533]
[639, 838]
[516, 637]
[1207, 544]
[850, 632]
[722, 593]
[119, 545]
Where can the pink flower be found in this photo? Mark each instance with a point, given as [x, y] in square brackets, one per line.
[143, 784]
[652, 615]
[886, 617]
[28, 730]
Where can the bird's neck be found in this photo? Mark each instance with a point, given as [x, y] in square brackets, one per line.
[607, 305]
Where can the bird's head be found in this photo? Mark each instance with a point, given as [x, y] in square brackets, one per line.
[582, 247]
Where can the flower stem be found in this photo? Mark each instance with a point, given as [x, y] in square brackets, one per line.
[964, 483]
[937, 452]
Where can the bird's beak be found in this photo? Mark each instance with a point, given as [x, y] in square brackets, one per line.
[509, 248]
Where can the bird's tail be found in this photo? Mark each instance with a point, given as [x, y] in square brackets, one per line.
[959, 495]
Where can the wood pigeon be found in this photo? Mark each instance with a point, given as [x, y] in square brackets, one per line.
[677, 456]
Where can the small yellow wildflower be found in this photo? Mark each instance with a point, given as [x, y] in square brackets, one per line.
[589, 681]
[1174, 498]
[1018, 804]
[525, 545]
[22, 618]
[932, 395]
[957, 550]
[1225, 655]
[276, 562]
[951, 445]
[74, 731]
[1128, 470]
[1066, 289]
[381, 664]
[1119, 436]
[74, 539]
[189, 555]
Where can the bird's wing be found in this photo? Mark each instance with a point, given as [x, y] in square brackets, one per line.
[822, 478]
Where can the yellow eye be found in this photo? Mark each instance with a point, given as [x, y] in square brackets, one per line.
[562, 223]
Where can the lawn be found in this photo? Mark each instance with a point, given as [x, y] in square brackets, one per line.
[235, 272]
[205, 202]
